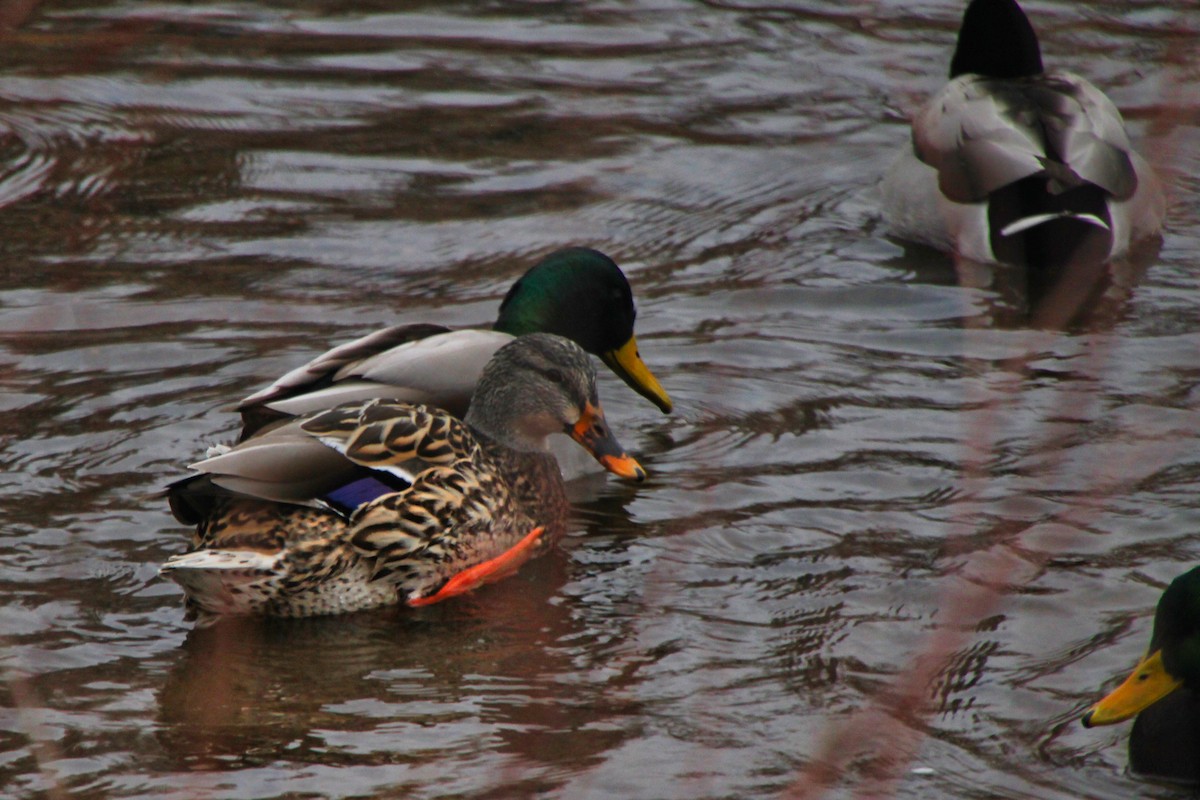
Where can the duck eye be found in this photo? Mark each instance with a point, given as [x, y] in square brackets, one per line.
[555, 376]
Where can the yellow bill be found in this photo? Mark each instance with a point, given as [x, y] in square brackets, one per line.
[627, 363]
[1149, 683]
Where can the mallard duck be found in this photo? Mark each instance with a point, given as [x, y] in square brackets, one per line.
[376, 502]
[577, 293]
[1011, 163]
[1163, 690]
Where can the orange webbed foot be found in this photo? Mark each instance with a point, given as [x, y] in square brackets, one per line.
[489, 571]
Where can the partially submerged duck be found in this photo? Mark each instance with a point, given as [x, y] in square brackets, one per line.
[577, 293]
[1012, 163]
[1163, 691]
[377, 502]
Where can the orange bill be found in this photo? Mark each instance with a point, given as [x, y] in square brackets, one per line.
[1149, 683]
[597, 438]
[489, 571]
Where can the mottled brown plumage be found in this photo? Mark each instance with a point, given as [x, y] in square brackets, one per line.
[441, 495]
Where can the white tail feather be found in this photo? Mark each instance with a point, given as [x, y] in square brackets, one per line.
[223, 581]
[1032, 221]
[220, 560]
[217, 450]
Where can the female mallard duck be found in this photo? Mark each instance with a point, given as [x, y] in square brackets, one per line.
[377, 502]
[576, 293]
[1164, 690]
[1014, 164]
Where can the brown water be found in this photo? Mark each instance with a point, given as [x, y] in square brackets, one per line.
[196, 197]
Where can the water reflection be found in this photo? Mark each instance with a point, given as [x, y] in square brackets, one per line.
[443, 684]
[1082, 295]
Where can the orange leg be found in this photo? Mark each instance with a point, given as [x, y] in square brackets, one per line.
[489, 571]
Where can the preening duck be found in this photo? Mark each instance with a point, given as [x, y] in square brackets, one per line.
[1163, 691]
[378, 502]
[1012, 163]
[577, 293]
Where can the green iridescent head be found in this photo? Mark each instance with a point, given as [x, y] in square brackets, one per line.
[582, 295]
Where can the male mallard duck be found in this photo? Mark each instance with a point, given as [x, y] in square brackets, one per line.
[577, 293]
[1164, 690]
[1014, 164]
[376, 502]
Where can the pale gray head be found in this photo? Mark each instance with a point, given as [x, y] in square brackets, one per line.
[534, 386]
[541, 384]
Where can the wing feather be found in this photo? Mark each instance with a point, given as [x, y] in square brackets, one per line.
[982, 134]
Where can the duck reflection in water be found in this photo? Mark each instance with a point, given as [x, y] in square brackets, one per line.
[493, 676]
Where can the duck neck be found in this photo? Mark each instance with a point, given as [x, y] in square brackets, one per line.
[538, 489]
[493, 421]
